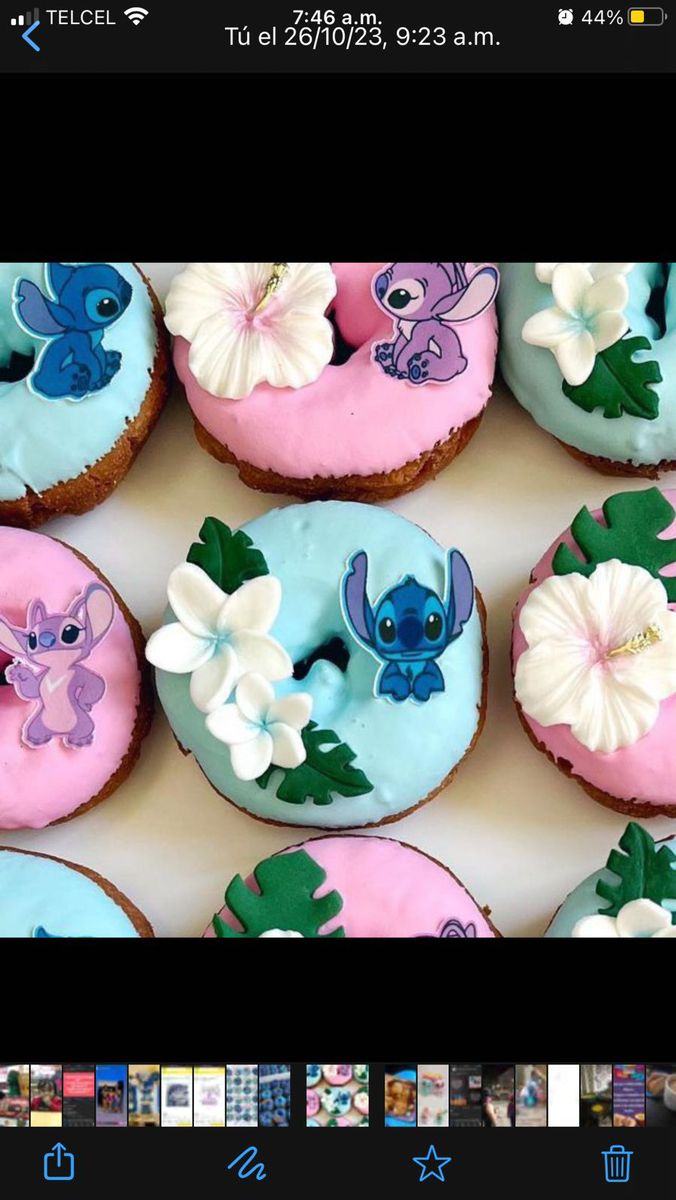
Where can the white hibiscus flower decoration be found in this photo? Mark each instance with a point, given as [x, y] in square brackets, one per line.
[586, 319]
[281, 933]
[217, 638]
[260, 730]
[235, 344]
[579, 668]
[637, 919]
[545, 271]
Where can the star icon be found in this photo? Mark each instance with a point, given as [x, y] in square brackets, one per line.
[432, 1166]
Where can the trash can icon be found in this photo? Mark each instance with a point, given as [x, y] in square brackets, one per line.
[617, 1162]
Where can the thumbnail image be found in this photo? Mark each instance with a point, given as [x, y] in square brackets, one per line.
[432, 1095]
[111, 1095]
[497, 1091]
[401, 1085]
[531, 1095]
[14, 1096]
[209, 1097]
[338, 1094]
[274, 1094]
[596, 1094]
[660, 1095]
[628, 1095]
[242, 1095]
[466, 1108]
[79, 1095]
[46, 1097]
[177, 1097]
[144, 1095]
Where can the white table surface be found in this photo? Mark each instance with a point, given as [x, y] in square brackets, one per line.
[517, 832]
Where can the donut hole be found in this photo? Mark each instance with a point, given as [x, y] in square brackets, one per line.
[5, 660]
[18, 367]
[342, 350]
[656, 308]
[334, 651]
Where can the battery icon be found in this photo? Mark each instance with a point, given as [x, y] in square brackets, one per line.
[646, 16]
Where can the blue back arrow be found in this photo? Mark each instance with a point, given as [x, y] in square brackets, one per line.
[26, 35]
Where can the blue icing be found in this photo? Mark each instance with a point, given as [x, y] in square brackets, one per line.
[405, 750]
[584, 902]
[43, 443]
[534, 377]
[38, 892]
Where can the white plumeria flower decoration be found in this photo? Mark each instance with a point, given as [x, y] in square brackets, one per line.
[217, 638]
[587, 318]
[575, 671]
[237, 344]
[637, 919]
[545, 271]
[260, 730]
[281, 933]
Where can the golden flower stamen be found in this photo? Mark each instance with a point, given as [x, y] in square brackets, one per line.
[640, 641]
[279, 273]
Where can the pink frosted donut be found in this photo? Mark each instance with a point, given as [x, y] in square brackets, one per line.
[311, 1102]
[360, 1101]
[623, 749]
[337, 1076]
[409, 366]
[350, 887]
[75, 702]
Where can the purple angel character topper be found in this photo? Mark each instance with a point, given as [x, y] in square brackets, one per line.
[425, 301]
[47, 668]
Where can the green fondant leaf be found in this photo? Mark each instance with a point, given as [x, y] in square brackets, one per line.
[634, 521]
[230, 559]
[644, 872]
[618, 384]
[287, 883]
[324, 773]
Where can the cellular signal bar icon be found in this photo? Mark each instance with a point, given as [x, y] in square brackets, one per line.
[26, 19]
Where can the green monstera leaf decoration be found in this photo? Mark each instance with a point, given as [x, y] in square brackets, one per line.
[644, 872]
[286, 899]
[230, 559]
[619, 384]
[633, 524]
[324, 773]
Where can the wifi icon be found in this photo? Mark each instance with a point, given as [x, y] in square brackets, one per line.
[136, 14]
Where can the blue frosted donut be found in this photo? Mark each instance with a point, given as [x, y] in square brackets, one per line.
[83, 377]
[47, 897]
[621, 418]
[383, 736]
[630, 897]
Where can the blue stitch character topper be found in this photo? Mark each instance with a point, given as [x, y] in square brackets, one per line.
[83, 302]
[409, 627]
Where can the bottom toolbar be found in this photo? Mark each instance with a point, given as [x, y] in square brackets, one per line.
[396, 1164]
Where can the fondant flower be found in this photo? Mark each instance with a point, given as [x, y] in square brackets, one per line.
[545, 271]
[587, 318]
[218, 638]
[260, 730]
[601, 654]
[637, 919]
[281, 933]
[251, 323]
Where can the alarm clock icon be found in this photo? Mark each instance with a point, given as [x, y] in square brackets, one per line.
[565, 16]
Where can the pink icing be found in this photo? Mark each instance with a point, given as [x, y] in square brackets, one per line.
[644, 772]
[388, 890]
[44, 784]
[354, 420]
[311, 1102]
